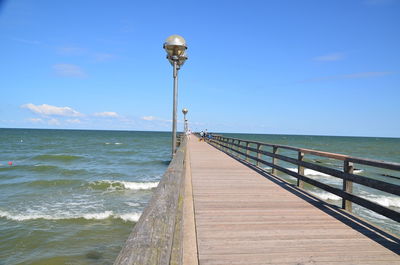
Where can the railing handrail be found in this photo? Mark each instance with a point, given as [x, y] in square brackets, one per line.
[347, 176]
[358, 160]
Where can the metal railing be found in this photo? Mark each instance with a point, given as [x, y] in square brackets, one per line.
[253, 152]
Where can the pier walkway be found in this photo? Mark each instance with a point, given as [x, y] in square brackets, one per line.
[245, 217]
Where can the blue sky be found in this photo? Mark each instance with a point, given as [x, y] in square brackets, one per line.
[281, 67]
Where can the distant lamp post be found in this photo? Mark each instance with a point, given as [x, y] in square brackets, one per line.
[175, 46]
[185, 124]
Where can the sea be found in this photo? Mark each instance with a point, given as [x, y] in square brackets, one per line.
[73, 196]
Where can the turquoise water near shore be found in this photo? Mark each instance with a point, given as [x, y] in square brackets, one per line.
[73, 197]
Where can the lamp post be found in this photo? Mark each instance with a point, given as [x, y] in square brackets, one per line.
[175, 46]
[185, 125]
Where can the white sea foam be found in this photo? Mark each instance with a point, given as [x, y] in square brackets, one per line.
[372, 214]
[117, 143]
[133, 204]
[115, 185]
[133, 217]
[98, 216]
[24, 217]
[311, 172]
[139, 185]
[386, 201]
[326, 196]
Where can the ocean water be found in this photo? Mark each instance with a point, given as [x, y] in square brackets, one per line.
[73, 197]
[386, 149]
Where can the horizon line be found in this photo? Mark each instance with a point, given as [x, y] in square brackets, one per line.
[217, 132]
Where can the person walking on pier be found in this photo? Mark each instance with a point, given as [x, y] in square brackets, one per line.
[188, 133]
[201, 135]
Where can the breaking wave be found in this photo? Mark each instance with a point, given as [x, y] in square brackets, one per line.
[311, 172]
[386, 201]
[132, 217]
[326, 196]
[122, 185]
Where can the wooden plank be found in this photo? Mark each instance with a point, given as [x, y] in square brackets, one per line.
[289, 258]
[372, 183]
[388, 187]
[243, 218]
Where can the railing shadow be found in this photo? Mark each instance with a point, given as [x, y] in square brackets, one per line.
[376, 234]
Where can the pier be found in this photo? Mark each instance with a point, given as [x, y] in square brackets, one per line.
[217, 205]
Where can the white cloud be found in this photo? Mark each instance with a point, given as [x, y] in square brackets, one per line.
[53, 121]
[109, 114]
[74, 121]
[349, 76]
[330, 57]
[69, 70]
[49, 110]
[156, 119]
[35, 120]
[149, 118]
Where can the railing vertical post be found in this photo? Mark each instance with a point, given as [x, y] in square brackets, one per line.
[274, 160]
[226, 144]
[238, 148]
[348, 167]
[247, 151]
[300, 170]
[258, 154]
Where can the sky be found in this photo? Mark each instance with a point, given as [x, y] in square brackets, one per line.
[275, 67]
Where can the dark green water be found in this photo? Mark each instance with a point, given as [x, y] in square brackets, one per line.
[72, 197]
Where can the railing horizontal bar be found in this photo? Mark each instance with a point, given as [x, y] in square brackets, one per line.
[357, 160]
[372, 183]
[394, 215]
[375, 163]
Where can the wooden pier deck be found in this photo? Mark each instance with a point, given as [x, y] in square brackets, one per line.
[244, 217]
